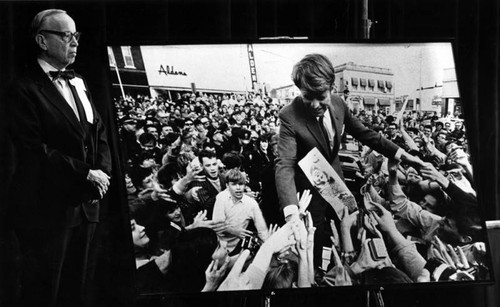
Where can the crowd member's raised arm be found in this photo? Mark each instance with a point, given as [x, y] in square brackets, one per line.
[403, 207]
[460, 157]
[253, 277]
[214, 275]
[404, 253]
[300, 234]
[365, 261]
[348, 254]
[407, 138]
[461, 198]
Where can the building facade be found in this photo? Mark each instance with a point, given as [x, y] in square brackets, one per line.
[369, 88]
[128, 74]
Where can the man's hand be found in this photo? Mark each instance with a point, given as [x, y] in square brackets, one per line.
[431, 173]
[238, 231]
[100, 179]
[384, 218]
[411, 159]
[194, 172]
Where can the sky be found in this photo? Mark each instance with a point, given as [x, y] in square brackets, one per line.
[227, 66]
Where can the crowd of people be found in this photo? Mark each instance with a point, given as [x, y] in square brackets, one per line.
[205, 214]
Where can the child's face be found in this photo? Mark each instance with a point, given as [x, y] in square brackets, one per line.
[175, 216]
[236, 189]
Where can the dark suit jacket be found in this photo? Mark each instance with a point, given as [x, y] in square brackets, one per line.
[300, 132]
[207, 195]
[55, 152]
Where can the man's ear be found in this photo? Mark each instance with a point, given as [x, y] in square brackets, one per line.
[465, 239]
[40, 41]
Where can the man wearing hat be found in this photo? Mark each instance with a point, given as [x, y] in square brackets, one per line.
[130, 147]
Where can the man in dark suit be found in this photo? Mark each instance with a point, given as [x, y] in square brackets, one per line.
[62, 168]
[317, 119]
[209, 188]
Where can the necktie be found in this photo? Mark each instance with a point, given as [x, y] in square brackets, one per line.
[60, 79]
[64, 74]
[324, 131]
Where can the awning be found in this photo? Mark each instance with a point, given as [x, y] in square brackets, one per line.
[354, 81]
[381, 84]
[362, 81]
[388, 84]
[371, 82]
[384, 102]
[369, 101]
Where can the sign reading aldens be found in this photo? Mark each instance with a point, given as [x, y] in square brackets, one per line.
[209, 67]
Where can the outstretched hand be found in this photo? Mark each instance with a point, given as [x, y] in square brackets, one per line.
[365, 260]
[214, 274]
[412, 160]
[304, 201]
[384, 218]
[431, 173]
[236, 279]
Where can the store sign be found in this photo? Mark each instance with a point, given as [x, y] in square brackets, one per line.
[169, 70]
[253, 70]
[210, 67]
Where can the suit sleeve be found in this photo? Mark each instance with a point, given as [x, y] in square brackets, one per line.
[286, 163]
[367, 136]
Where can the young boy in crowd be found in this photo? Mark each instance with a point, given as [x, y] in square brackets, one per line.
[237, 209]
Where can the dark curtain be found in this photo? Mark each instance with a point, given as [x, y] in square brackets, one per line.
[473, 25]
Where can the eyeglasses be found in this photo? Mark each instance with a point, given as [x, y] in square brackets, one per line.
[66, 36]
[188, 124]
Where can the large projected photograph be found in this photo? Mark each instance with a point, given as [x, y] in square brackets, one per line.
[270, 166]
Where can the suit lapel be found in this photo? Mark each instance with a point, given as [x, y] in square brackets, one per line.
[54, 98]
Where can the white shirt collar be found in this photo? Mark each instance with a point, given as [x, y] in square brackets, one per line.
[47, 68]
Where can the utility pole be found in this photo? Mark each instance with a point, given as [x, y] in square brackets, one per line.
[367, 23]
[420, 85]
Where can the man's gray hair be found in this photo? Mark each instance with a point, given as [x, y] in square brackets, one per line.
[40, 18]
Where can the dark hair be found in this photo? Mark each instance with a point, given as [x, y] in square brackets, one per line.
[231, 160]
[191, 255]
[167, 206]
[206, 154]
[166, 174]
[314, 73]
[146, 138]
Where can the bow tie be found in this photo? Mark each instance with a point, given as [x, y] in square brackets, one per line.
[64, 74]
